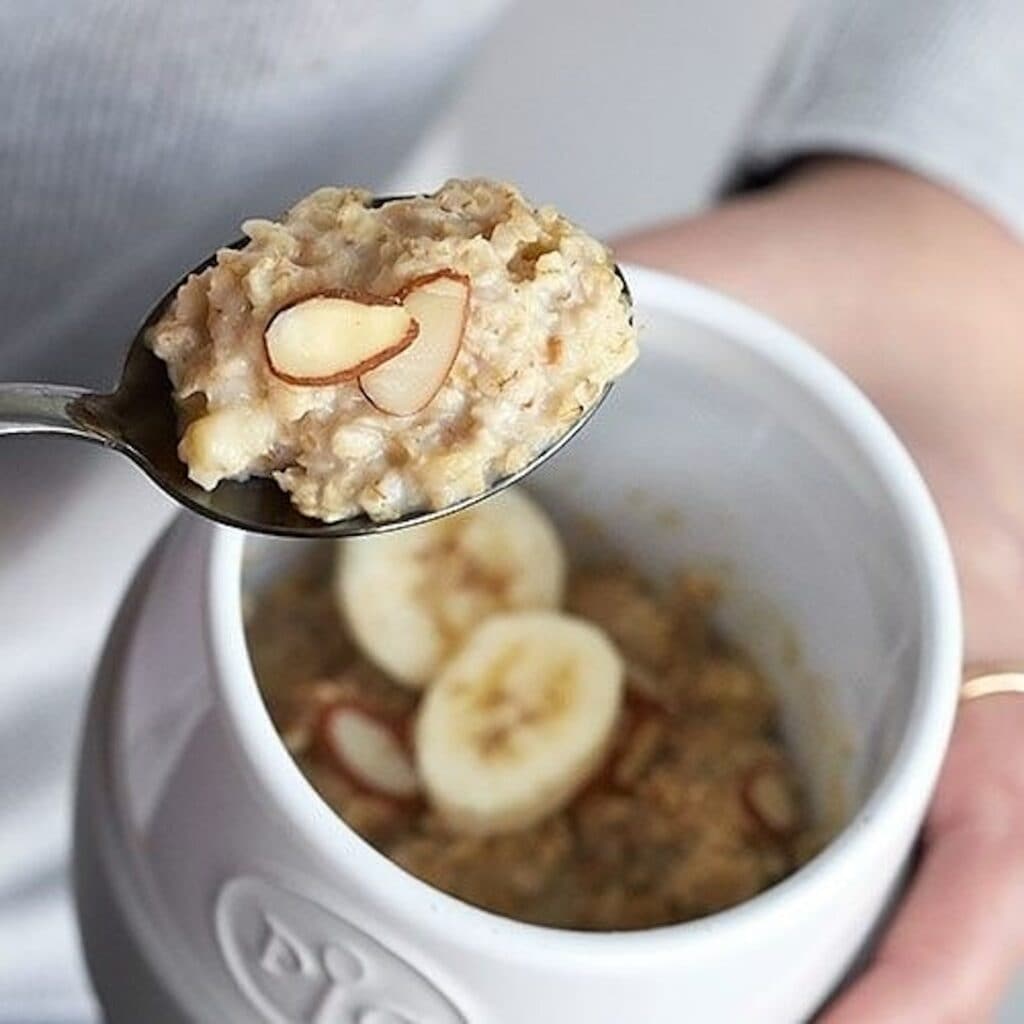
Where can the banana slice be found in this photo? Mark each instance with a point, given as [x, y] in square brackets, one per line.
[412, 597]
[518, 721]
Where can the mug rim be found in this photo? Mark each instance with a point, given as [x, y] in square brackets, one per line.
[906, 784]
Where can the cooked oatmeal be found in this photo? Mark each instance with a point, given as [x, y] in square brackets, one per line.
[694, 806]
[546, 326]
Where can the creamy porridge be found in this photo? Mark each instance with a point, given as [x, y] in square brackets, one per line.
[565, 744]
[384, 359]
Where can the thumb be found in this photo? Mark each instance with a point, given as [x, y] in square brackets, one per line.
[959, 934]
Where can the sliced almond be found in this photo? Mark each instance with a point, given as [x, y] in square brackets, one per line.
[770, 800]
[371, 751]
[335, 337]
[645, 740]
[640, 731]
[297, 713]
[405, 384]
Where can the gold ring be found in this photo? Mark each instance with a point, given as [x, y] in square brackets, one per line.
[984, 680]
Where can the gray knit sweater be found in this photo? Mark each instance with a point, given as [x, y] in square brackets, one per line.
[934, 85]
[136, 134]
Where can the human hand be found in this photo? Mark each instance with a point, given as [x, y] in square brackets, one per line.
[917, 296]
[959, 933]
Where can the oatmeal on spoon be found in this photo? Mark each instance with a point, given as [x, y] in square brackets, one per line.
[383, 358]
[362, 365]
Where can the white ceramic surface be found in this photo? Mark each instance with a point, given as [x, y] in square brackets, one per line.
[212, 875]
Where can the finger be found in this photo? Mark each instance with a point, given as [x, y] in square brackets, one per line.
[960, 932]
[952, 946]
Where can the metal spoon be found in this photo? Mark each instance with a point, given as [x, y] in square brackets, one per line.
[138, 420]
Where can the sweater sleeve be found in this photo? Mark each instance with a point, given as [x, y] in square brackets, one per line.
[936, 86]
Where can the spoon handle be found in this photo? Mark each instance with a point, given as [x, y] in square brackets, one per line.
[40, 409]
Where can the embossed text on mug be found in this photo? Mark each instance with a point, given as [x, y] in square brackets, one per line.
[297, 962]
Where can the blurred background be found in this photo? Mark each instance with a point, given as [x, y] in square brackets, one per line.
[702, 62]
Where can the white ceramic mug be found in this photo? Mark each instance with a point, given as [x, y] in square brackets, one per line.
[214, 884]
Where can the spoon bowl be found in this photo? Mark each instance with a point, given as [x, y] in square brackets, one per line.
[138, 419]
